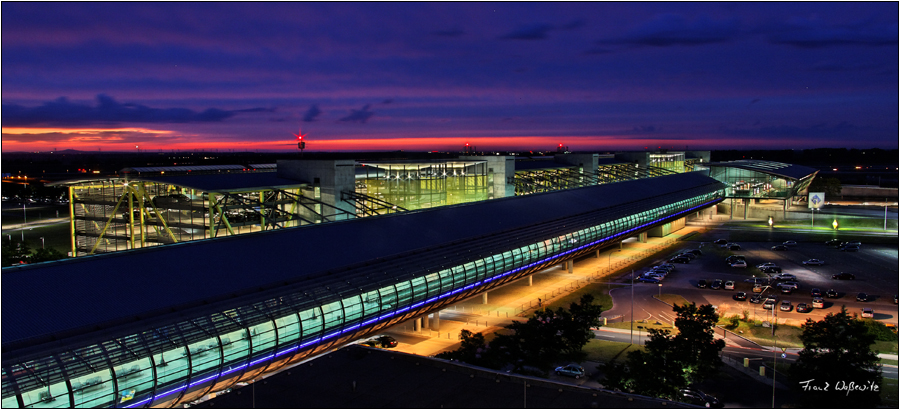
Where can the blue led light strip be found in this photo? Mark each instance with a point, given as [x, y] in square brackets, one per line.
[498, 276]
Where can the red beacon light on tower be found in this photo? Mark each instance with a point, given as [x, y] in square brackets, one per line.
[300, 143]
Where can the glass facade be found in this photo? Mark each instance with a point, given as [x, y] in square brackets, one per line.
[671, 161]
[183, 361]
[426, 185]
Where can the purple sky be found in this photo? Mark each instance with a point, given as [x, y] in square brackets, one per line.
[432, 76]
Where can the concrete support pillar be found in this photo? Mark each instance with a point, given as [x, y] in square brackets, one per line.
[620, 245]
[731, 216]
[436, 321]
[570, 265]
[597, 254]
[484, 298]
[425, 322]
[530, 280]
[417, 324]
[642, 237]
[746, 207]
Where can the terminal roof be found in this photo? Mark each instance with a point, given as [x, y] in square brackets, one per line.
[91, 292]
[779, 169]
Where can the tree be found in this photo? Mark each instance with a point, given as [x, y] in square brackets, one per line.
[830, 186]
[544, 339]
[837, 367]
[669, 363]
[45, 255]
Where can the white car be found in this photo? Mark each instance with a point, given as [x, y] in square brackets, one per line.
[784, 276]
[766, 265]
[739, 264]
[789, 285]
[816, 262]
[790, 243]
[729, 285]
[868, 312]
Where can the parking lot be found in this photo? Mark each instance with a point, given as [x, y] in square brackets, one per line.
[875, 267]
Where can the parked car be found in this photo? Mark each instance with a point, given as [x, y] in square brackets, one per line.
[734, 247]
[815, 292]
[697, 252]
[852, 243]
[862, 297]
[648, 279]
[789, 285]
[716, 285]
[720, 242]
[779, 248]
[688, 255]
[679, 259]
[733, 258]
[831, 293]
[740, 296]
[571, 370]
[833, 242]
[814, 262]
[850, 249]
[786, 306]
[771, 269]
[739, 264]
[729, 285]
[757, 298]
[803, 308]
[383, 341]
[787, 291]
[765, 265]
[769, 304]
[844, 276]
[785, 276]
[790, 243]
[818, 303]
[868, 313]
[702, 283]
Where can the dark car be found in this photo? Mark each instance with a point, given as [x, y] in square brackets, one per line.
[697, 252]
[771, 269]
[698, 398]
[803, 308]
[734, 258]
[779, 248]
[679, 259]
[850, 249]
[843, 276]
[815, 292]
[862, 297]
[833, 242]
[786, 290]
[383, 341]
[831, 293]
[720, 242]
[716, 285]
[741, 296]
[702, 284]
[648, 279]
[734, 247]
[757, 298]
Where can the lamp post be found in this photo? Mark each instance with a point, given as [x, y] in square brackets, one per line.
[834, 224]
[770, 222]
[609, 260]
[42, 242]
[659, 296]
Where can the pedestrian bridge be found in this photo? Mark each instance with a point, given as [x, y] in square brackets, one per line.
[167, 325]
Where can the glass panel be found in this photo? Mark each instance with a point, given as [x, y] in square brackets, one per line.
[333, 317]
[404, 294]
[171, 366]
[420, 290]
[94, 389]
[371, 303]
[353, 310]
[204, 357]
[134, 379]
[311, 323]
[264, 339]
[433, 282]
[288, 330]
[12, 403]
[388, 298]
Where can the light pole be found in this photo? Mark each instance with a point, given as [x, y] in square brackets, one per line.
[609, 260]
[632, 307]
[42, 242]
[659, 296]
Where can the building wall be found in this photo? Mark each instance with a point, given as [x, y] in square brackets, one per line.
[331, 177]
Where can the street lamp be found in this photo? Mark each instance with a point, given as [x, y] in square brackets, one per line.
[770, 222]
[834, 224]
[609, 260]
[659, 296]
[42, 242]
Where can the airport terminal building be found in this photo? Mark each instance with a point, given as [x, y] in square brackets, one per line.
[257, 281]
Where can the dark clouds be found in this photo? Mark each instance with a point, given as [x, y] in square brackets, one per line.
[589, 69]
[62, 112]
[360, 116]
[672, 29]
[814, 33]
[312, 113]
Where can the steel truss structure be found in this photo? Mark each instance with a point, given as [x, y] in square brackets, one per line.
[545, 180]
[112, 215]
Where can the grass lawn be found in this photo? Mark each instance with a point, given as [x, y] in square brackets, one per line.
[890, 362]
[889, 393]
[600, 291]
[882, 346]
[672, 299]
[604, 351]
[787, 336]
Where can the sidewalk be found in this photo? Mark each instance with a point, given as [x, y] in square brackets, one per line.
[517, 300]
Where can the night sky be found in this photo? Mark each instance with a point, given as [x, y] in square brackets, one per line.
[433, 76]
